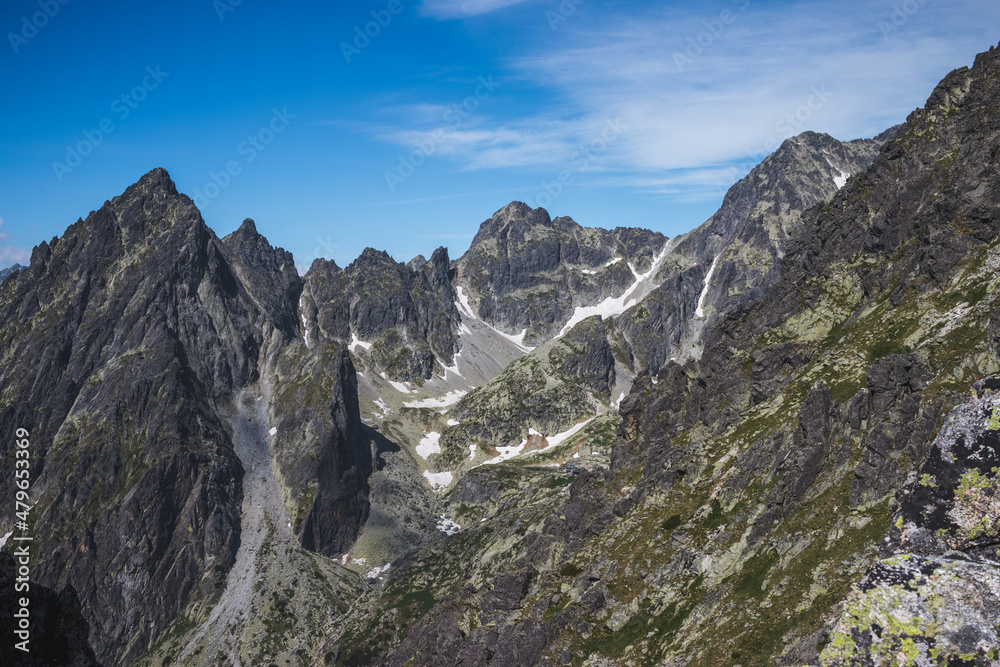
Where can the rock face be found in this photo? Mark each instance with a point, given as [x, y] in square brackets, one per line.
[120, 340]
[526, 273]
[405, 315]
[8, 271]
[751, 487]
[741, 246]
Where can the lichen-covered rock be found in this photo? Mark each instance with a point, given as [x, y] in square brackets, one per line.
[934, 596]
[914, 610]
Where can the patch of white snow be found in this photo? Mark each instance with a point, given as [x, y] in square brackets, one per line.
[613, 306]
[465, 308]
[438, 480]
[841, 180]
[357, 342]
[506, 453]
[378, 572]
[305, 324]
[560, 438]
[429, 444]
[447, 526]
[449, 399]
[700, 311]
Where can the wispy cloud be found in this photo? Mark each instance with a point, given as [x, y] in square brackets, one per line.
[700, 90]
[450, 9]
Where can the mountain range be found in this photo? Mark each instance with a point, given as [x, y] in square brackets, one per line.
[773, 440]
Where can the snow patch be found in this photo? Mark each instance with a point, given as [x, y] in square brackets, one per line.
[700, 311]
[3, 540]
[603, 266]
[401, 387]
[378, 572]
[273, 430]
[506, 453]
[841, 180]
[305, 324]
[447, 525]
[453, 422]
[463, 305]
[560, 438]
[465, 308]
[357, 342]
[429, 444]
[472, 451]
[439, 481]
[453, 369]
[449, 399]
[613, 306]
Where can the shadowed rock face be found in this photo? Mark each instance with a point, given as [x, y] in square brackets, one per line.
[406, 312]
[120, 341]
[58, 631]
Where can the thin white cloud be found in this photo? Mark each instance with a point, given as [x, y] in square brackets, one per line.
[450, 9]
[702, 100]
[9, 255]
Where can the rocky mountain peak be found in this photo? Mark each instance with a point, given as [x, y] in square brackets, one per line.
[148, 208]
[512, 221]
[248, 228]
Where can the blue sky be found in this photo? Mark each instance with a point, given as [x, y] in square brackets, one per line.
[406, 138]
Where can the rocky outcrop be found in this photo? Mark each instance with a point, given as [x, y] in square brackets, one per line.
[321, 452]
[551, 390]
[741, 246]
[526, 272]
[404, 315]
[934, 595]
[9, 270]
